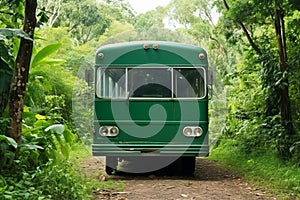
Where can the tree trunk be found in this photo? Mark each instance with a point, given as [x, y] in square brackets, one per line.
[20, 77]
[283, 86]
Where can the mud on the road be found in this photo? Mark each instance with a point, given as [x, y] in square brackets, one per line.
[211, 181]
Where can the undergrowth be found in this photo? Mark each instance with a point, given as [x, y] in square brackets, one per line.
[56, 179]
[264, 169]
[81, 154]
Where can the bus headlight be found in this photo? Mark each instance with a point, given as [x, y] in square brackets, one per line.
[103, 131]
[198, 132]
[114, 131]
[187, 131]
[108, 131]
[192, 131]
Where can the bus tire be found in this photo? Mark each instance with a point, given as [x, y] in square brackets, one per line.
[186, 165]
[111, 164]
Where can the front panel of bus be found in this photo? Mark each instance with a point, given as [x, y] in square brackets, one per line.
[151, 101]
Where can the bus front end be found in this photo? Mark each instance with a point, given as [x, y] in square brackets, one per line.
[151, 104]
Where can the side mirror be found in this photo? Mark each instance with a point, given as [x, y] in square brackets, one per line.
[89, 76]
[211, 81]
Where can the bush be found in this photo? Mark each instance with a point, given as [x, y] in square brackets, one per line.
[60, 181]
[38, 167]
[264, 169]
[54, 180]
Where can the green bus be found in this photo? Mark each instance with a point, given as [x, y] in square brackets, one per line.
[151, 105]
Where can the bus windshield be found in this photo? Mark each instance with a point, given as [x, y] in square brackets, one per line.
[147, 82]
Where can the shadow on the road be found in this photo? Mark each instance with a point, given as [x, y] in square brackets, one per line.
[206, 170]
[212, 171]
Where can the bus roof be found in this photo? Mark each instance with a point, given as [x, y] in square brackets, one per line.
[150, 53]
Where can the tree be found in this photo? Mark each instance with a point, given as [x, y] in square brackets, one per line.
[50, 11]
[120, 10]
[255, 18]
[21, 71]
[191, 12]
[9, 23]
[151, 19]
[197, 18]
[87, 20]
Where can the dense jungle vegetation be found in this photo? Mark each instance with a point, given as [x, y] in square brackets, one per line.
[46, 46]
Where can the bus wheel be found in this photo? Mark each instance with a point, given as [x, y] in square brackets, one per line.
[186, 165]
[190, 165]
[111, 164]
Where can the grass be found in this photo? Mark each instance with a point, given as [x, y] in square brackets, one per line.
[80, 154]
[263, 170]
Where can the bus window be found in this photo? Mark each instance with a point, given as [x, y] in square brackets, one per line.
[189, 83]
[146, 82]
[111, 83]
[150, 82]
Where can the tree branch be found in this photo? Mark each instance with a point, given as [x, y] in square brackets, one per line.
[219, 44]
[246, 32]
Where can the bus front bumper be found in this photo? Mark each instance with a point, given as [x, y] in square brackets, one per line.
[149, 150]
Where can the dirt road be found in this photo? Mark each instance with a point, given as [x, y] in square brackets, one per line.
[210, 182]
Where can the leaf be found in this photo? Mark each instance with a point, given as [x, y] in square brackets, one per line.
[294, 146]
[65, 150]
[40, 117]
[10, 32]
[3, 184]
[6, 56]
[5, 77]
[9, 141]
[69, 136]
[57, 128]
[54, 61]
[31, 146]
[44, 53]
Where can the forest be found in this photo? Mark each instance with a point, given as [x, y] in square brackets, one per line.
[47, 48]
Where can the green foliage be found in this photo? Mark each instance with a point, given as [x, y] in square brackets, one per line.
[86, 20]
[83, 111]
[120, 10]
[8, 43]
[10, 20]
[151, 19]
[70, 57]
[48, 91]
[83, 19]
[11, 13]
[255, 79]
[6, 155]
[67, 183]
[46, 61]
[294, 62]
[40, 143]
[81, 156]
[262, 168]
[53, 180]
[40, 58]
[8, 141]
[9, 32]
[48, 131]
[153, 33]
[295, 149]
[40, 158]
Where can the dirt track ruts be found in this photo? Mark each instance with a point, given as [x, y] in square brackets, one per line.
[211, 181]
